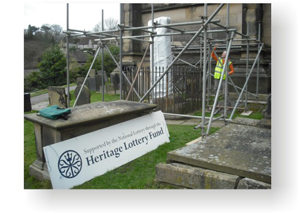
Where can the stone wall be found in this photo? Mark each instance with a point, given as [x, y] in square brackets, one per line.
[240, 14]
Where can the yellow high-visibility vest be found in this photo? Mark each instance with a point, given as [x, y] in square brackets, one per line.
[219, 69]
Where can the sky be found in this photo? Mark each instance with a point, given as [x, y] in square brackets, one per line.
[82, 16]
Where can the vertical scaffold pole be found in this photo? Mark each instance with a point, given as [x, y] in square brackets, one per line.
[247, 70]
[68, 58]
[204, 74]
[257, 75]
[102, 61]
[227, 76]
[121, 50]
[152, 52]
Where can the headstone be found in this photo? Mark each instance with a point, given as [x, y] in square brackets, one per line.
[92, 73]
[109, 89]
[98, 81]
[80, 80]
[115, 79]
[85, 95]
[105, 75]
[57, 96]
[27, 102]
[91, 83]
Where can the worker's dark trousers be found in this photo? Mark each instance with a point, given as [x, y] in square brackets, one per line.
[216, 84]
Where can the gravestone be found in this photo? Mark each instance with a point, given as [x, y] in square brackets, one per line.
[100, 73]
[84, 97]
[80, 80]
[92, 73]
[98, 82]
[57, 96]
[115, 79]
[27, 102]
[91, 82]
[109, 89]
[99, 85]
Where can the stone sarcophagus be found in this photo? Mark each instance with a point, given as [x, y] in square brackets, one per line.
[82, 120]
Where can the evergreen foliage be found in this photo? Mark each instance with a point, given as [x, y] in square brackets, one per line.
[53, 67]
[33, 81]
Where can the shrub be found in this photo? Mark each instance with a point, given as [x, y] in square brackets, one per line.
[33, 81]
[53, 67]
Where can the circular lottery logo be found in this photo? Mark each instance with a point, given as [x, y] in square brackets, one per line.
[69, 164]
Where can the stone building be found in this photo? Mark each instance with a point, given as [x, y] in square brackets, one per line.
[255, 18]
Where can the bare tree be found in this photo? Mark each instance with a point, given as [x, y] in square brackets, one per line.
[111, 24]
[57, 32]
[98, 27]
[56, 29]
[45, 28]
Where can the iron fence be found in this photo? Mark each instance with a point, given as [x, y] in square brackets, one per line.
[179, 91]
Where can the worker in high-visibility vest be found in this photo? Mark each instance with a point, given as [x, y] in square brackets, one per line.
[219, 69]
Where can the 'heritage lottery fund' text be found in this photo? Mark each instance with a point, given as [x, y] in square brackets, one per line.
[116, 152]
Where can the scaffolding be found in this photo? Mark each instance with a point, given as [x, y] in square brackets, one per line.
[204, 63]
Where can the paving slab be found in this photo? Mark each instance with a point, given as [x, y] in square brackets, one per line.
[175, 122]
[191, 122]
[235, 149]
[245, 121]
[40, 106]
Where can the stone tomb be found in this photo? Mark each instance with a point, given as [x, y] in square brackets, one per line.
[237, 156]
[83, 119]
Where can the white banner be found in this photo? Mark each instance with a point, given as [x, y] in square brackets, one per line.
[77, 160]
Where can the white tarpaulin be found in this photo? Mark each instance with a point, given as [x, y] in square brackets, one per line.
[162, 58]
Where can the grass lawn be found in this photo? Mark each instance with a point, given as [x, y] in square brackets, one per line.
[137, 174]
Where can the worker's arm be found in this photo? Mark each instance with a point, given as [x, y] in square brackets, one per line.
[231, 69]
[213, 55]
